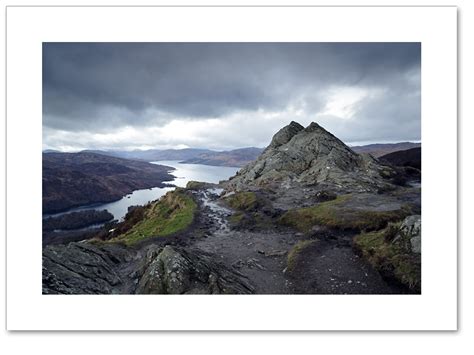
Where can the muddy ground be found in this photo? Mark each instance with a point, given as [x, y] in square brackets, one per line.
[327, 266]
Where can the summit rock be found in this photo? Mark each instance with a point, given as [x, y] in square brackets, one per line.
[311, 156]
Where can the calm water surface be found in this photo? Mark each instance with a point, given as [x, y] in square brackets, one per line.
[183, 174]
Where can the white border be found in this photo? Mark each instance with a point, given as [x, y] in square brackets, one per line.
[27, 309]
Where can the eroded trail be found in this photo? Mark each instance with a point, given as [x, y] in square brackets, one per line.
[329, 266]
[261, 256]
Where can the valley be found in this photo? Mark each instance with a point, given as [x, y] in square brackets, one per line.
[230, 158]
[309, 215]
[77, 179]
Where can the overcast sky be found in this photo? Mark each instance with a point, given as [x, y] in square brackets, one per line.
[226, 95]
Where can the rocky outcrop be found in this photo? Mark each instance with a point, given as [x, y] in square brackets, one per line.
[174, 270]
[285, 134]
[395, 251]
[311, 156]
[82, 268]
[410, 230]
[107, 268]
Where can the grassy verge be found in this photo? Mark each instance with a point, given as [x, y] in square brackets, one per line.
[243, 201]
[251, 211]
[174, 212]
[391, 258]
[295, 252]
[333, 214]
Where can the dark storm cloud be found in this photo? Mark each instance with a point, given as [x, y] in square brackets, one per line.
[100, 86]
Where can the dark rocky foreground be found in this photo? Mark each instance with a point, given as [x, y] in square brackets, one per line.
[216, 256]
[325, 221]
[84, 268]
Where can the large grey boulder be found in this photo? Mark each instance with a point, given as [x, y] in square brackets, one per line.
[410, 229]
[174, 270]
[311, 156]
[82, 268]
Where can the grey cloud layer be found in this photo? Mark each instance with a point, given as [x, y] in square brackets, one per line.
[95, 87]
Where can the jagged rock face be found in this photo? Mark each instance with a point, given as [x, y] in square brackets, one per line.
[85, 268]
[81, 268]
[310, 156]
[179, 271]
[411, 230]
[285, 134]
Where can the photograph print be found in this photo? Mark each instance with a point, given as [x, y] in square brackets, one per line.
[231, 168]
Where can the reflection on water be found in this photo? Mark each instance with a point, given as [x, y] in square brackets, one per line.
[183, 174]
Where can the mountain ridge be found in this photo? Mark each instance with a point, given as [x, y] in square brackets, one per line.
[75, 179]
[309, 216]
[379, 149]
[308, 156]
[232, 158]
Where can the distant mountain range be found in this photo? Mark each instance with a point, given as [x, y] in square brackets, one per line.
[409, 157]
[380, 149]
[154, 154]
[234, 158]
[237, 157]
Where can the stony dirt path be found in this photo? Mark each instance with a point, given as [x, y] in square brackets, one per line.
[329, 266]
[259, 256]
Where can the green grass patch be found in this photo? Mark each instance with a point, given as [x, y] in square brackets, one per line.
[174, 212]
[236, 218]
[333, 214]
[243, 201]
[295, 252]
[391, 258]
[196, 185]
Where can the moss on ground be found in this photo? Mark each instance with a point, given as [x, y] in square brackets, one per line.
[236, 218]
[295, 253]
[174, 212]
[334, 214]
[196, 185]
[391, 257]
[243, 201]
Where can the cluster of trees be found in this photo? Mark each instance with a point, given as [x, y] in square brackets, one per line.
[76, 220]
